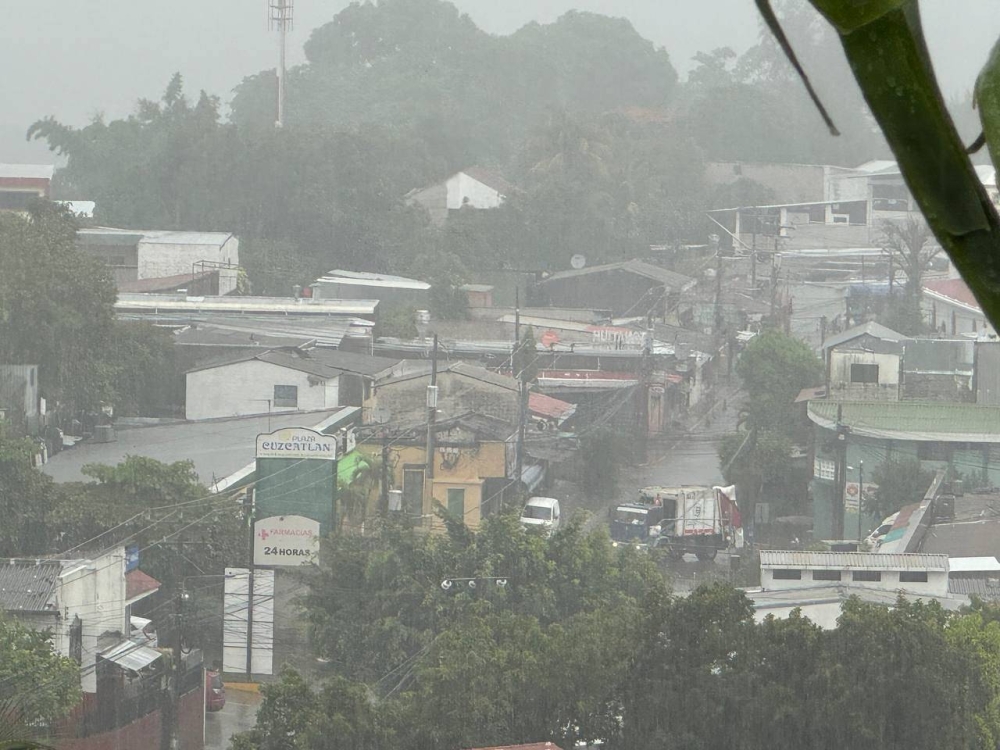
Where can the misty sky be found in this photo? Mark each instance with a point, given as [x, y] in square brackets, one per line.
[75, 58]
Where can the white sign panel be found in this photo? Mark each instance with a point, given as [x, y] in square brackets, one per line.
[851, 494]
[285, 540]
[235, 618]
[297, 442]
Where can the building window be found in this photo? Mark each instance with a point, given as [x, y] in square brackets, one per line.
[913, 576]
[864, 373]
[413, 491]
[868, 576]
[826, 575]
[286, 395]
[782, 574]
[456, 502]
[824, 468]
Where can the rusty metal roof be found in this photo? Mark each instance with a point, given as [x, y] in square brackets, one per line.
[29, 585]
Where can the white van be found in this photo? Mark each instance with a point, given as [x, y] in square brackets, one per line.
[541, 512]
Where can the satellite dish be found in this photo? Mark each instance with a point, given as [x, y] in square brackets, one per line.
[578, 261]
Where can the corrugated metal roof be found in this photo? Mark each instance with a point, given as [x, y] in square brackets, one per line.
[852, 560]
[176, 303]
[132, 656]
[27, 171]
[167, 237]
[876, 330]
[987, 588]
[292, 359]
[911, 420]
[29, 585]
[364, 278]
[668, 278]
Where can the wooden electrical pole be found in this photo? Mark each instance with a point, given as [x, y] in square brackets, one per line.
[432, 418]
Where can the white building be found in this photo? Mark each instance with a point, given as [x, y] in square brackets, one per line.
[283, 380]
[818, 583]
[139, 254]
[84, 603]
[950, 307]
[473, 187]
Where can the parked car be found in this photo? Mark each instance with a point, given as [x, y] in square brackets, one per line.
[873, 539]
[215, 691]
[541, 512]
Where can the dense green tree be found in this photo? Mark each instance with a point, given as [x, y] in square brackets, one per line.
[774, 367]
[55, 307]
[163, 508]
[26, 495]
[37, 685]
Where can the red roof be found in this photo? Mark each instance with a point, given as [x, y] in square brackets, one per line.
[955, 289]
[547, 406]
[139, 584]
[531, 746]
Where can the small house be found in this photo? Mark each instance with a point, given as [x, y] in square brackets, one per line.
[473, 187]
[282, 380]
[864, 363]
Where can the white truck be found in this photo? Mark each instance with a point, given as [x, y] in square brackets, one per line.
[696, 519]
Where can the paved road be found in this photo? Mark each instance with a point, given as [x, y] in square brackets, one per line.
[238, 715]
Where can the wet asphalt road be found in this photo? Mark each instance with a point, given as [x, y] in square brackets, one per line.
[238, 715]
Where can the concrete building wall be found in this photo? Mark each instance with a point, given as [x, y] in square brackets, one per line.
[924, 386]
[954, 319]
[467, 471]
[824, 614]
[936, 584]
[406, 401]
[843, 388]
[159, 259]
[94, 591]
[463, 190]
[790, 183]
[987, 372]
[245, 388]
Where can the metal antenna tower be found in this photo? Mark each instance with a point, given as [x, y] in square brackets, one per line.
[279, 15]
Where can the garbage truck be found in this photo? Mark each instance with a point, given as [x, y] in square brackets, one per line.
[696, 520]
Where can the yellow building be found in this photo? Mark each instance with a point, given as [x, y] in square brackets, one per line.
[473, 458]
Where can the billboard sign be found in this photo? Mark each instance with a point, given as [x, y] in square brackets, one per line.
[297, 442]
[285, 541]
[131, 558]
[852, 493]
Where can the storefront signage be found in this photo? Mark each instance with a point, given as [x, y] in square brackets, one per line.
[296, 442]
[285, 541]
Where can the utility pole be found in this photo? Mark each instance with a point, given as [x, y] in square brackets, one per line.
[171, 720]
[861, 496]
[280, 14]
[432, 394]
[384, 493]
[840, 476]
[753, 254]
[718, 292]
[249, 504]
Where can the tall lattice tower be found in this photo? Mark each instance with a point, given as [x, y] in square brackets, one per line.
[280, 14]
